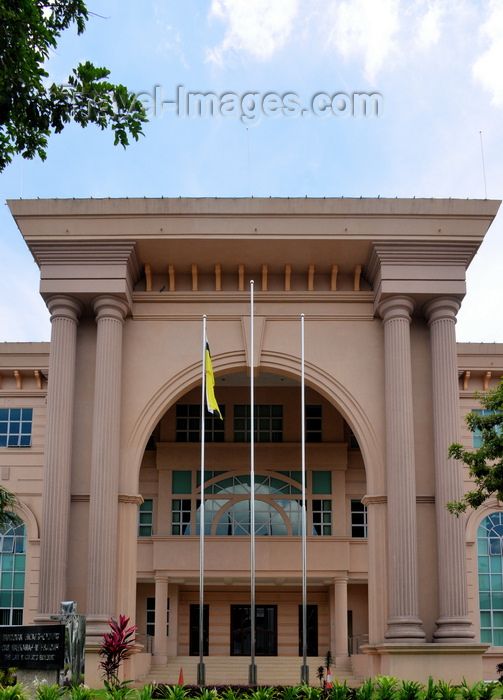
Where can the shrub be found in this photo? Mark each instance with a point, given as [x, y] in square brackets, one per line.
[115, 648]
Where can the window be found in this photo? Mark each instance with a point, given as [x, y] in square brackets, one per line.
[15, 427]
[358, 519]
[477, 434]
[146, 518]
[322, 516]
[227, 505]
[181, 482]
[12, 568]
[180, 516]
[188, 424]
[313, 423]
[322, 483]
[268, 423]
[490, 559]
[150, 626]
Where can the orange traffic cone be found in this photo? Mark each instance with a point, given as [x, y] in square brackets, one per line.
[328, 682]
[180, 677]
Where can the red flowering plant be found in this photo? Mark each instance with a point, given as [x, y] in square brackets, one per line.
[116, 646]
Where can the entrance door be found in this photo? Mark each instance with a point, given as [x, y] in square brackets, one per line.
[266, 635]
[312, 630]
[194, 630]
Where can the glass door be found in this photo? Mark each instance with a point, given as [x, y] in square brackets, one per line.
[266, 635]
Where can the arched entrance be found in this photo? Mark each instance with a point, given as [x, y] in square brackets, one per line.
[169, 482]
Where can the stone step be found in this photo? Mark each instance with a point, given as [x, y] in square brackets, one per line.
[221, 670]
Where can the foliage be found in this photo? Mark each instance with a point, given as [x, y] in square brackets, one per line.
[309, 692]
[173, 692]
[207, 694]
[338, 691]
[29, 110]
[410, 690]
[45, 691]
[290, 692]
[263, 693]
[8, 676]
[329, 660]
[385, 688]
[320, 674]
[8, 501]
[80, 692]
[446, 691]
[116, 646]
[365, 691]
[486, 462]
[14, 692]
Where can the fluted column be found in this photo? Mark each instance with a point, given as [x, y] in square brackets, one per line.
[104, 491]
[404, 624]
[161, 619]
[341, 618]
[58, 454]
[453, 624]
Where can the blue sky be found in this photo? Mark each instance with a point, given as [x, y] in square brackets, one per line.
[435, 63]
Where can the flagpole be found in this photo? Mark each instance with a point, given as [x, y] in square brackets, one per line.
[252, 671]
[304, 671]
[200, 666]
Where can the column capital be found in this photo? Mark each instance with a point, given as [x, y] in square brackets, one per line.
[110, 307]
[442, 308]
[396, 307]
[375, 500]
[161, 578]
[63, 306]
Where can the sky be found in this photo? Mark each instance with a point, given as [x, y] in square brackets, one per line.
[433, 127]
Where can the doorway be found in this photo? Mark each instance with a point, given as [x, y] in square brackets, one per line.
[312, 630]
[266, 634]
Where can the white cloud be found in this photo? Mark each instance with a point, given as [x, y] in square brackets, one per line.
[428, 26]
[259, 28]
[487, 68]
[365, 30]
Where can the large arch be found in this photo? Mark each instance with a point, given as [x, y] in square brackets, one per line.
[320, 380]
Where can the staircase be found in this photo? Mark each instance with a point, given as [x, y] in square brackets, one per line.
[233, 670]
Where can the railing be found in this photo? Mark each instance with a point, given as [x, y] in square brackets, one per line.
[355, 641]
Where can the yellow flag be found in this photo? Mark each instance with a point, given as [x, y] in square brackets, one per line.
[211, 401]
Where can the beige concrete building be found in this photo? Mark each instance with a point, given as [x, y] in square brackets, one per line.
[100, 435]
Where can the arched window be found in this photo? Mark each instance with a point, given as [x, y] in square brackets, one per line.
[12, 569]
[490, 559]
[277, 505]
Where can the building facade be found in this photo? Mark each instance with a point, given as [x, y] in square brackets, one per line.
[101, 433]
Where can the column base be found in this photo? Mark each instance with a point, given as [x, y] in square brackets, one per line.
[454, 630]
[96, 627]
[404, 630]
[417, 662]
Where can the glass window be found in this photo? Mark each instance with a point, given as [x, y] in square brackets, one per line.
[490, 556]
[477, 434]
[358, 519]
[322, 482]
[268, 422]
[15, 427]
[150, 618]
[313, 423]
[12, 574]
[181, 482]
[188, 424]
[322, 516]
[180, 516]
[146, 518]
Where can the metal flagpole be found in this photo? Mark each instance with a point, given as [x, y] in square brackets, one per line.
[304, 671]
[252, 671]
[200, 666]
